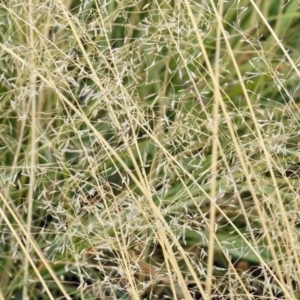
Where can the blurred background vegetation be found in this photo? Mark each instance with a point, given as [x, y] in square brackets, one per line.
[149, 150]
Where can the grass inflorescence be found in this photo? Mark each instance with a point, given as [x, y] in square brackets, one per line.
[149, 149]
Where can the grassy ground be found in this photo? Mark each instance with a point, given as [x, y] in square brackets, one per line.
[149, 149]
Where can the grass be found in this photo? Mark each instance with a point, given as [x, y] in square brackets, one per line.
[149, 150]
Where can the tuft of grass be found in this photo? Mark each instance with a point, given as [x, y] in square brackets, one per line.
[149, 150]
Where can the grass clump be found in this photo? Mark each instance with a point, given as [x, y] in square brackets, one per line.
[149, 150]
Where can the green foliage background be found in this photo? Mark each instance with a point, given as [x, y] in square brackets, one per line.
[111, 114]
